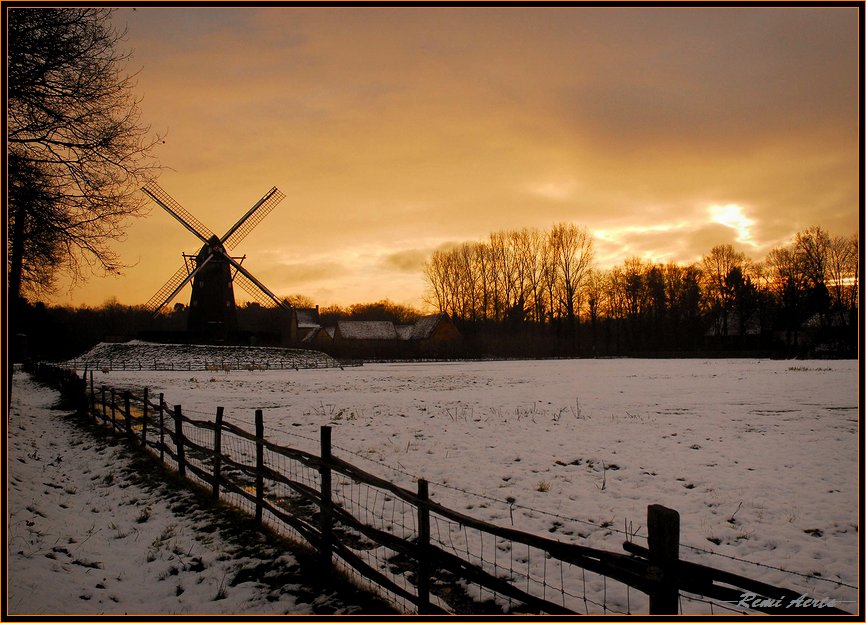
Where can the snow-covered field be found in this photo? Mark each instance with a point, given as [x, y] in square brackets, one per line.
[760, 457]
[88, 535]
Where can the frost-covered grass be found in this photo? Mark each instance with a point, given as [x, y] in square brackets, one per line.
[759, 457]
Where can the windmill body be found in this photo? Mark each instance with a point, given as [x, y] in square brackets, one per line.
[212, 311]
[213, 271]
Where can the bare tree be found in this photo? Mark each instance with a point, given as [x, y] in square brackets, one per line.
[812, 248]
[435, 270]
[788, 283]
[573, 254]
[35, 221]
[717, 265]
[842, 259]
[78, 152]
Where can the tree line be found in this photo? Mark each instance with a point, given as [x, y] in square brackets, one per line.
[534, 292]
[62, 332]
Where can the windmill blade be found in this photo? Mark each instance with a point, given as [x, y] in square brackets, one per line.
[171, 287]
[252, 218]
[253, 290]
[165, 201]
[250, 284]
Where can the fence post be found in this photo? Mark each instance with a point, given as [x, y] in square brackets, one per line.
[178, 440]
[161, 428]
[423, 584]
[217, 452]
[127, 416]
[113, 411]
[260, 464]
[92, 397]
[663, 527]
[79, 386]
[144, 421]
[104, 415]
[325, 521]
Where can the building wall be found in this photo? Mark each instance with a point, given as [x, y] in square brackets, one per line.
[445, 340]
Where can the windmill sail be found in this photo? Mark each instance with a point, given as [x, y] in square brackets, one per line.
[255, 292]
[177, 211]
[164, 295]
[212, 310]
[253, 217]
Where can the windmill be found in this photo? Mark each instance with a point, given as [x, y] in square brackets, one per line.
[212, 270]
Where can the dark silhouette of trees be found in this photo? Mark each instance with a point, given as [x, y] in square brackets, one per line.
[537, 293]
[77, 150]
[380, 310]
[842, 275]
[719, 286]
[816, 283]
[35, 251]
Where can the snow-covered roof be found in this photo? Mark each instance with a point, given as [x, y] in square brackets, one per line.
[367, 330]
[425, 326]
[307, 317]
[306, 334]
[404, 331]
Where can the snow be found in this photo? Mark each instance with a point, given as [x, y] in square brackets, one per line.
[424, 327]
[137, 354]
[85, 535]
[758, 456]
[367, 330]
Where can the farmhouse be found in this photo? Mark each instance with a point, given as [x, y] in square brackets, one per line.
[370, 338]
[429, 336]
[304, 323]
[435, 335]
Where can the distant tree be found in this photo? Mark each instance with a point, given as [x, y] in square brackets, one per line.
[812, 253]
[531, 248]
[596, 284]
[299, 300]
[720, 296]
[330, 314]
[77, 150]
[842, 273]
[683, 289]
[788, 283]
[615, 307]
[657, 306]
[635, 297]
[572, 251]
[812, 249]
[744, 298]
[384, 310]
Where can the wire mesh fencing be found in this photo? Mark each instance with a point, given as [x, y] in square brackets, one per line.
[420, 555]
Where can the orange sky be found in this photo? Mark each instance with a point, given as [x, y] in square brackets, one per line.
[393, 131]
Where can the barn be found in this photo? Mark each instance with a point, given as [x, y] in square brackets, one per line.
[304, 323]
[435, 336]
[366, 338]
[430, 336]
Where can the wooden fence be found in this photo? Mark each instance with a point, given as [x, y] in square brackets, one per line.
[423, 556]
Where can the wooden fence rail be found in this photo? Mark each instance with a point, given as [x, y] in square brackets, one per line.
[419, 570]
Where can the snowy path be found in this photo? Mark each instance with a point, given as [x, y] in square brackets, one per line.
[87, 534]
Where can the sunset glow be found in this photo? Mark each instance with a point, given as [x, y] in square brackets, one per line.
[395, 131]
[732, 216]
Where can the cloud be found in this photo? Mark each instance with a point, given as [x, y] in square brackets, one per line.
[290, 276]
[410, 261]
[394, 129]
[681, 243]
